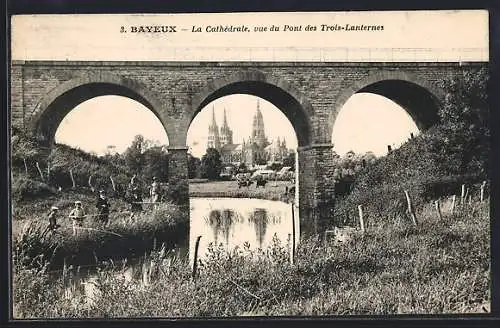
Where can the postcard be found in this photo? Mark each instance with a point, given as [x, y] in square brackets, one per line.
[250, 164]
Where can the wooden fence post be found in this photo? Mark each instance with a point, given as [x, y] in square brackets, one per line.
[39, 170]
[195, 259]
[411, 211]
[462, 195]
[72, 178]
[112, 183]
[90, 183]
[361, 221]
[438, 210]
[483, 185]
[25, 166]
[453, 199]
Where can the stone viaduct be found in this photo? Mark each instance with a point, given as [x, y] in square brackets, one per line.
[309, 94]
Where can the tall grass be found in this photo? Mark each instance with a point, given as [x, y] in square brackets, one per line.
[436, 267]
[121, 238]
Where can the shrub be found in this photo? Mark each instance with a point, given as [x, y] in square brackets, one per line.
[177, 191]
[33, 246]
[24, 188]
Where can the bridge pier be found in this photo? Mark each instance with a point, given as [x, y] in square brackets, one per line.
[317, 188]
[178, 172]
[178, 181]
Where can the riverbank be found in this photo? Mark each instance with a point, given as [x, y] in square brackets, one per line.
[440, 266]
[274, 190]
[121, 238]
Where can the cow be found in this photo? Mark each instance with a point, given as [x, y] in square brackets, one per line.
[261, 182]
[244, 183]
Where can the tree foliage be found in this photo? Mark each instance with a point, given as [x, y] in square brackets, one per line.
[289, 160]
[146, 159]
[133, 155]
[211, 164]
[155, 161]
[465, 120]
[194, 164]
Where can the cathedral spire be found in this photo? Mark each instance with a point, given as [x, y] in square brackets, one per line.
[214, 123]
[213, 133]
[224, 124]
[226, 134]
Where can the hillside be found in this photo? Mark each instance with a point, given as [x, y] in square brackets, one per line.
[35, 176]
[434, 165]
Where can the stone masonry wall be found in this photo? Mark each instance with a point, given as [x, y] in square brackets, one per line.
[174, 84]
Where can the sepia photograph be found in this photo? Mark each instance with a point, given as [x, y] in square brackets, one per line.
[240, 165]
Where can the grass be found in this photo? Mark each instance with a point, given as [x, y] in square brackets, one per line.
[274, 190]
[120, 239]
[394, 268]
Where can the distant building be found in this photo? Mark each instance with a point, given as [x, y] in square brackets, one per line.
[277, 151]
[255, 150]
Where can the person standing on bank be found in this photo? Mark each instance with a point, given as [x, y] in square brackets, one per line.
[102, 208]
[155, 192]
[135, 200]
[53, 218]
[77, 215]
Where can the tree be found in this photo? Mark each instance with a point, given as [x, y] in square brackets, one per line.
[289, 160]
[242, 168]
[275, 166]
[155, 161]
[464, 121]
[211, 164]
[194, 164]
[133, 155]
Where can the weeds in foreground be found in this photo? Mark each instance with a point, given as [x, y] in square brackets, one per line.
[438, 267]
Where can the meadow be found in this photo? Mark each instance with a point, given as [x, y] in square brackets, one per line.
[274, 190]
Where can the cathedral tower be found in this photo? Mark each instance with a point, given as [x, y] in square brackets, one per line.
[213, 133]
[226, 134]
[258, 134]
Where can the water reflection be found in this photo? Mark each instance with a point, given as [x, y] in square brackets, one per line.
[234, 221]
[259, 220]
[221, 222]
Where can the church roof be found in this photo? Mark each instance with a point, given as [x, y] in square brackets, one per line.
[230, 147]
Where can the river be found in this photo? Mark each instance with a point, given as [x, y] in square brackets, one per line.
[229, 222]
[235, 221]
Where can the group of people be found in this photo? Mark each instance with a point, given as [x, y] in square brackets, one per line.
[78, 215]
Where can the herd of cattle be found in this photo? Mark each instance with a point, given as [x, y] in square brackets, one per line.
[248, 183]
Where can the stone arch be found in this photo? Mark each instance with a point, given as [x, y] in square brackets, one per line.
[388, 84]
[279, 92]
[58, 102]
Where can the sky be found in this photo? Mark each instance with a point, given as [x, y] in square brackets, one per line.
[99, 122]
[367, 122]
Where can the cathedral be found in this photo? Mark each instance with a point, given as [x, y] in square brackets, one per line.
[256, 150]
